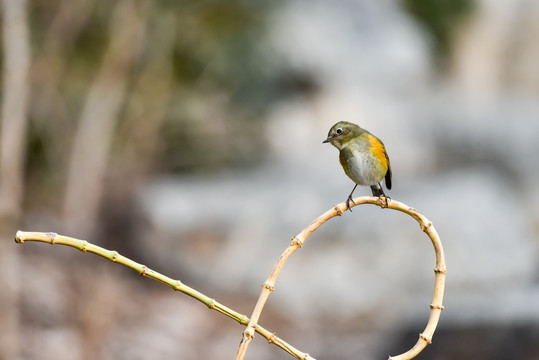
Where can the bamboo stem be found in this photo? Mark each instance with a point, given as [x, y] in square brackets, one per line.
[143, 270]
[298, 241]
[425, 338]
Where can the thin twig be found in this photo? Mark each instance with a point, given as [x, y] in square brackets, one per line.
[436, 307]
[143, 270]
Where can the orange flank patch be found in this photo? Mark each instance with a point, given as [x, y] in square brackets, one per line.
[378, 150]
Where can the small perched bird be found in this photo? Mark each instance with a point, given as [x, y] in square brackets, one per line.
[363, 157]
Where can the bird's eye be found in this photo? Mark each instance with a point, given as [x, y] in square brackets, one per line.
[338, 131]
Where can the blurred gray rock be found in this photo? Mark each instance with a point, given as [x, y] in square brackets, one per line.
[467, 163]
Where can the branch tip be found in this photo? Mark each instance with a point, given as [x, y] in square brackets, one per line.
[18, 237]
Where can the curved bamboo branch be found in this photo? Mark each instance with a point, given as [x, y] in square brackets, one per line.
[143, 270]
[436, 307]
[425, 337]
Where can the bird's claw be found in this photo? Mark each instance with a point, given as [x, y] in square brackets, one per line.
[386, 203]
[348, 201]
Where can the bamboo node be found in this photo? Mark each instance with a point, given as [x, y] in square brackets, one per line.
[144, 270]
[51, 236]
[440, 270]
[338, 210]
[249, 333]
[83, 246]
[243, 319]
[434, 306]
[178, 286]
[426, 227]
[426, 338]
[115, 256]
[268, 286]
[297, 242]
[271, 338]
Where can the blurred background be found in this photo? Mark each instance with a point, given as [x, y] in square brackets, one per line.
[187, 135]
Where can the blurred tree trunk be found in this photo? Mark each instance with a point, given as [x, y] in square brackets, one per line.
[493, 55]
[99, 117]
[12, 157]
[140, 132]
[49, 110]
[148, 104]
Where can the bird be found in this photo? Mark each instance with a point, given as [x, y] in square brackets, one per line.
[363, 157]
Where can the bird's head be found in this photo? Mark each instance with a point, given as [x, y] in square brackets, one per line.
[341, 133]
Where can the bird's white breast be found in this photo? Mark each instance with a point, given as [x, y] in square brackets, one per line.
[363, 167]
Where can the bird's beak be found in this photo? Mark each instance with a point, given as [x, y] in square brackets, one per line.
[326, 141]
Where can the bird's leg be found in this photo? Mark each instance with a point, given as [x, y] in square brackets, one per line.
[349, 200]
[384, 195]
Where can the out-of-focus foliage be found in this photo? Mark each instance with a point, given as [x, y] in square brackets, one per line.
[441, 19]
[202, 66]
[224, 85]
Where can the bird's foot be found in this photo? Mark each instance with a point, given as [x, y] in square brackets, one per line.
[384, 204]
[348, 201]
